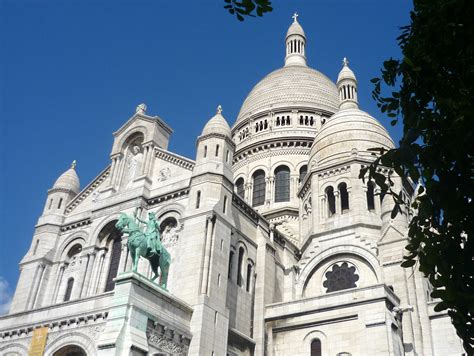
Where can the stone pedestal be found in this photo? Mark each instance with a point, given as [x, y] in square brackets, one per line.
[145, 319]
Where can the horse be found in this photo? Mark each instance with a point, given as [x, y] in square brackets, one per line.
[137, 245]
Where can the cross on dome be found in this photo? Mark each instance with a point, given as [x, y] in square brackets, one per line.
[345, 62]
[295, 17]
[73, 164]
[219, 109]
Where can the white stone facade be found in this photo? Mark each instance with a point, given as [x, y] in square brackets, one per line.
[277, 246]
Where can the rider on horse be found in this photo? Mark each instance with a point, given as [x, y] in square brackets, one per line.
[152, 233]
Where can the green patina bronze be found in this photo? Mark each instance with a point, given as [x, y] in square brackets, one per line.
[146, 244]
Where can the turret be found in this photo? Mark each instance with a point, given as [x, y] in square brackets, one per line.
[215, 148]
[63, 191]
[295, 44]
[347, 87]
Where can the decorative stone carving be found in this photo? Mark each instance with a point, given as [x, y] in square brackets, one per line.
[170, 235]
[164, 174]
[167, 345]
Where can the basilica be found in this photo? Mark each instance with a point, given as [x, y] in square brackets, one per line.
[277, 247]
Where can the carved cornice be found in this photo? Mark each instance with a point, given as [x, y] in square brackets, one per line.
[168, 196]
[244, 208]
[91, 321]
[175, 159]
[87, 190]
[76, 224]
[334, 171]
[297, 145]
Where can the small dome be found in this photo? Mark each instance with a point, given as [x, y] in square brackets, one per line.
[348, 133]
[295, 29]
[346, 73]
[68, 180]
[217, 124]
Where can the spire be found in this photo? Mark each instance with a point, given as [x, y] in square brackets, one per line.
[295, 44]
[347, 87]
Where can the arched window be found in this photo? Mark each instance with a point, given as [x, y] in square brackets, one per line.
[249, 277]
[331, 201]
[198, 199]
[205, 151]
[217, 150]
[303, 172]
[370, 196]
[60, 203]
[316, 347]
[340, 277]
[259, 187]
[227, 155]
[69, 285]
[282, 184]
[50, 203]
[239, 266]
[240, 188]
[225, 205]
[114, 262]
[344, 196]
[231, 262]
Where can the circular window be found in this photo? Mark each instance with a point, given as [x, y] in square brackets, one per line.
[340, 276]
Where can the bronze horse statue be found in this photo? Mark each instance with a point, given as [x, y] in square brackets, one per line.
[138, 245]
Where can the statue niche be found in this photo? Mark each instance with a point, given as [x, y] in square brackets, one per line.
[133, 164]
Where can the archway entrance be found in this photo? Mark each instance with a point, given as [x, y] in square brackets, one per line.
[70, 350]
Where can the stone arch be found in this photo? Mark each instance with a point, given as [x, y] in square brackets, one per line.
[95, 234]
[255, 169]
[330, 256]
[176, 208]
[14, 349]
[276, 165]
[73, 338]
[78, 237]
[310, 337]
[130, 135]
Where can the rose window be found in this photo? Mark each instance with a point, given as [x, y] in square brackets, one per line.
[340, 277]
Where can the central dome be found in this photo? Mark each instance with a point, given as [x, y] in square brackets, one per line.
[291, 86]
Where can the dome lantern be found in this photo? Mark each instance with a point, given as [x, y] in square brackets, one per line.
[295, 44]
[347, 87]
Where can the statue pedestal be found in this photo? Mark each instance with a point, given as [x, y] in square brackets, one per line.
[145, 319]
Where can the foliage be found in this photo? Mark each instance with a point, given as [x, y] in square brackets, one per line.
[432, 90]
[245, 8]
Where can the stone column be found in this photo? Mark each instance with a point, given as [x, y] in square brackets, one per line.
[337, 199]
[270, 193]
[115, 169]
[378, 206]
[324, 209]
[88, 274]
[98, 276]
[62, 266]
[37, 284]
[249, 194]
[123, 256]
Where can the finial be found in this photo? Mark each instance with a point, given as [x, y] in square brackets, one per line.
[295, 17]
[141, 109]
[219, 109]
[345, 62]
[73, 164]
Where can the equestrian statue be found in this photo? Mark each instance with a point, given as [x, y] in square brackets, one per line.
[146, 244]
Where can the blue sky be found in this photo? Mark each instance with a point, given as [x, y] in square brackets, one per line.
[72, 72]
